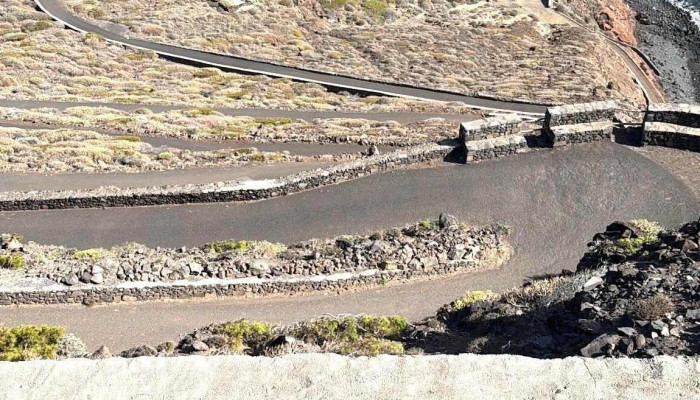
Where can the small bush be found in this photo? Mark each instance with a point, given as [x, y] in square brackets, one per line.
[13, 261]
[273, 121]
[535, 292]
[350, 329]
[371, 347]
[29, 342]
[134, 139]
[375, 8]
[474, 297]
[239, 94]
[199, 111]
[206, 72]
[654, 307]
[165, 155]
[242, 335]
[91, 254]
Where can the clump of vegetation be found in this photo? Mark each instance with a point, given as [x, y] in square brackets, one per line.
[375, 8]
[654, 307]
[29, 342]
[473, 297]
[535, 293]
[89, 254]
[12, 261]
[650, 231]
[366, 335]
[245, 246]
[273, 121]
[242, 335]
[129, 138]
[164, 156]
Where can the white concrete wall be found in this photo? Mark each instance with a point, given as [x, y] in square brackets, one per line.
[317, 376]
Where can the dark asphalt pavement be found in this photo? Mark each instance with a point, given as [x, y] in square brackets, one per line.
[555, 200]
[56, 9]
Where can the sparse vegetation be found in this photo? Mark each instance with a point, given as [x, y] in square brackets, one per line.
[13, 261]
[242, 334]
[89, 254]
[474, 297]
[29, 342]
[654, 307]
[495, 48]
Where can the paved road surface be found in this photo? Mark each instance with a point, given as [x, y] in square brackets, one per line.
[554, 200]
[56, 10]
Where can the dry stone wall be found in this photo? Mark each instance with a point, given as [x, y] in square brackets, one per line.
[222, 191]
[580, 133]
[673, 125]
[490, 127]
[572, 114]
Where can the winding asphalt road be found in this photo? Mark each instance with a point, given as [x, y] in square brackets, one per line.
[555, 200]
[58, 11]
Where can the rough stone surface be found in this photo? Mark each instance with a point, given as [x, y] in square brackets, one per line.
[580, 133]
[571, 114]
[221, 191]
[485, 149]
[671, 135]
[327, 376]
[135, 272]
[490, 127]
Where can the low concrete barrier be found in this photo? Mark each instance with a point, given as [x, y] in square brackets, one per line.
[330, 376]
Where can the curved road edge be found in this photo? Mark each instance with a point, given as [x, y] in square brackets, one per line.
[57, 11]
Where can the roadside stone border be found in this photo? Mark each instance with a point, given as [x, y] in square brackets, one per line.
[580, 133]
[678, 114]
[489, 127]
[671, 135]
[479, 150]
[580, 113]
[221, 191]
[145, 291]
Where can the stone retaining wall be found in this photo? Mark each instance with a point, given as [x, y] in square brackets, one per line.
[490, 127]
[571, 114]
[678, 114]
[580, 133]
[223, 191]
[671, 135]
[141, 292]
[485, 149]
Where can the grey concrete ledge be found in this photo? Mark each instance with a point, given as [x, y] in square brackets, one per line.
[329, 376]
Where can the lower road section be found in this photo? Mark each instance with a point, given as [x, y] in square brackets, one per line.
[554, 201]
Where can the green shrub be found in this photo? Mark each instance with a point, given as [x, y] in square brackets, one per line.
[129, 138]
[334, 4]
[199, 111]
[242, 334]
[371, 347]
[28, 342]
[166, 155]
[243, 246]
[350, 329]
[474, 297]
[239, 94]
[273, 121]
[91, 254]
[13, 261]
[375, 8]
[206, 72]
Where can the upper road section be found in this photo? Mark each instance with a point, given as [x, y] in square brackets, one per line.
[57, 10]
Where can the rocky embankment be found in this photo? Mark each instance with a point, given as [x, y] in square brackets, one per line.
[635, 293]
[671, 39]
[422, 248]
